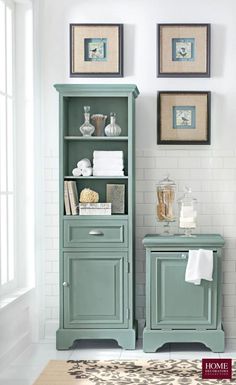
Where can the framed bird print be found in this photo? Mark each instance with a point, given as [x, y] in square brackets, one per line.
[183, 117]
[183, 50]
[96, 50]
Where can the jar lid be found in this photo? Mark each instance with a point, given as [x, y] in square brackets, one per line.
[187, 197]
[166, 182]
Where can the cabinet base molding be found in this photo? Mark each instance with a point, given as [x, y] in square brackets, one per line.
[155, 339]
[126, 338]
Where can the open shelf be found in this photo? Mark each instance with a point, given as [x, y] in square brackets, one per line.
[97, 138]
[95, 177]
[112, 216]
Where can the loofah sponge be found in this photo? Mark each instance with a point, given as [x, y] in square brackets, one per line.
[88, 196]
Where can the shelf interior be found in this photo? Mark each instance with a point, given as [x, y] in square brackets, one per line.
[77, 147]
[74, 112]
[100, 187]
[77, 150]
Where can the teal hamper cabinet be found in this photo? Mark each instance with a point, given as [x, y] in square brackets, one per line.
[96, 251]
[178, 311]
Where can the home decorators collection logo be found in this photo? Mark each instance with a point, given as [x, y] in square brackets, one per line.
[216, 368]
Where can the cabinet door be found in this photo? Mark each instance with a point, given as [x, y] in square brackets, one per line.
[96, 294]
[176, 304]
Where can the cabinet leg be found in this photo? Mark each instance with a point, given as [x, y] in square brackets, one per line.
[216, 342]
[150, 343]
[127, 339]
[63, 340]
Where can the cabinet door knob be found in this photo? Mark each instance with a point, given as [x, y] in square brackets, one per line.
[183, 256]
[96, 232]
[65, 284]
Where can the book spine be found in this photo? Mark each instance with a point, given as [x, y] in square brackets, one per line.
[73, 194]
[66, 199]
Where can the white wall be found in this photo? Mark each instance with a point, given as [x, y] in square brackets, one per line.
[210, 170]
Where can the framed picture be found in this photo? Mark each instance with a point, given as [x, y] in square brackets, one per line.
[183, 117]
[96, 50]
[115, 194]
[183, 50]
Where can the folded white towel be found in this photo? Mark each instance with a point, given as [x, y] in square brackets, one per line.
[87, 171]
[199, 266]
[108, 172]
[83, 163]
[116, 164]
[77, 172]
[108, 154]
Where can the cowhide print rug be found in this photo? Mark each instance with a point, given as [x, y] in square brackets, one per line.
[126, 372]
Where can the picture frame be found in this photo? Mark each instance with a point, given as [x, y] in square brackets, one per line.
[115, 194]
[183, 50]
[96, 50]
[184, 117]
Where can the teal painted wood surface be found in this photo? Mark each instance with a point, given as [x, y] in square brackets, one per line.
[96, 292]
[205, 240]
[177, 311]
[125, 337]
[176, 303]
[154, 339]
[86, 232]
[98, 90]
[76, 301]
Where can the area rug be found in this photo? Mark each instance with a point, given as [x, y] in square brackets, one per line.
[135, 372]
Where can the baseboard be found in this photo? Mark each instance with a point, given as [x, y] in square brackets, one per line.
[50, 328]
[19, 346]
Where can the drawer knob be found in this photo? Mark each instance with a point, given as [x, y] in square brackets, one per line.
[65, 284]
[96, 232]
[183, 256]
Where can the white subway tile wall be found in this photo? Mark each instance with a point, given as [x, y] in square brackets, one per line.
[212, 176]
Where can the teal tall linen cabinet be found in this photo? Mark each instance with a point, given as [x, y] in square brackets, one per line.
[178, 311]
[96, 252]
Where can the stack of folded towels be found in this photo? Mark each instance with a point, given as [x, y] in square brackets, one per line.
[108, 163]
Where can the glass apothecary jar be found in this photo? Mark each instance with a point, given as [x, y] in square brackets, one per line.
[165, 191]
[87, 129]
[187, 212]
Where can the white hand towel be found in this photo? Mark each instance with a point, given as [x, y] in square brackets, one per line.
[108, 173]
[115, 164]
[108, 154]
[87, 171]
[199, 266]
[83, 163]
[76, 172]
[108, 170]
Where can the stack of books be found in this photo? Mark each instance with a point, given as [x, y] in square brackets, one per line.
[71, 199]
[73, 207]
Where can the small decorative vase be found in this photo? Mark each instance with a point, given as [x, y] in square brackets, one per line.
[99, 121]
[112, 129]
[87, 129]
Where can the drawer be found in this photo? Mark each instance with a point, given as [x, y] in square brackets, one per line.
[95, 233]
